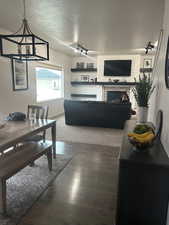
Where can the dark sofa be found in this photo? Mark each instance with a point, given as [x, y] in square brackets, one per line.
[95, 113]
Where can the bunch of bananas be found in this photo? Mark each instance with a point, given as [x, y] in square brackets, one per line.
[144, 138]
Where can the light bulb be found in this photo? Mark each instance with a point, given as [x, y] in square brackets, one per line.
[27, 49]
[156, 44]
[76, 50]
[19, 49]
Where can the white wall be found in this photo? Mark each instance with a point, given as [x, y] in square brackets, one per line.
[97, 90]
[12, 101]
[160, 98]
[99, 64]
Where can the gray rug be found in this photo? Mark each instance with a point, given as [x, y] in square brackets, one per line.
[26, 187]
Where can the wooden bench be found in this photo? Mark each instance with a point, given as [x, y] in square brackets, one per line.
[13, 161]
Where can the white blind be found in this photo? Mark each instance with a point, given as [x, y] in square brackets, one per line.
[49, 66]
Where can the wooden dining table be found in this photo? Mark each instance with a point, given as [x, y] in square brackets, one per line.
[15, 132]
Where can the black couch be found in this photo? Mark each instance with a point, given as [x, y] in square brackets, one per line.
[95, 113]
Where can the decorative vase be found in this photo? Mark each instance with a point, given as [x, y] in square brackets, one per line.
[142, 114]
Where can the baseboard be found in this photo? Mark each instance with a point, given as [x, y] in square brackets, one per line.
[56, 116]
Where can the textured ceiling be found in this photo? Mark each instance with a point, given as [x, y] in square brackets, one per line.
[105, 26]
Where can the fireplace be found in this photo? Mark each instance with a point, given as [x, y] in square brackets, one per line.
[114, 93]
[115, 96]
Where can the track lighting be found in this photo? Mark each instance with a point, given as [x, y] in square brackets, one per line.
[149, 47]
[79, 48]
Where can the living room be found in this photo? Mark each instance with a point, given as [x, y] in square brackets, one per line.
[84, 116]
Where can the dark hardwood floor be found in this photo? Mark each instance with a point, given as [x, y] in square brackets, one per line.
[85, 191]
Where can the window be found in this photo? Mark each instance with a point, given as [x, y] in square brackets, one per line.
[49, 83]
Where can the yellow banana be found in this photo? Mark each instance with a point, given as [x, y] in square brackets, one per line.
[139, 135]
[146, 139]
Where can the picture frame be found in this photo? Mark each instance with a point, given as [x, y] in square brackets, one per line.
[147, 63]
[19, 75]
[85, 78]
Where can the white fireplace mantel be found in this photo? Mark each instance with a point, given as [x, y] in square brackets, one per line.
[100, 89]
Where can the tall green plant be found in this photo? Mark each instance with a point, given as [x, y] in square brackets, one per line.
[143, 90]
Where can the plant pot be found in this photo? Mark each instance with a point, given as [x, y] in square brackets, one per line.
[142, 114]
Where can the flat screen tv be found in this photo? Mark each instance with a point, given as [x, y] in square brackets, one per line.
[117, 67]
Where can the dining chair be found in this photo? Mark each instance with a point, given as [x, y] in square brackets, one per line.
[37, 112]
[40, 112]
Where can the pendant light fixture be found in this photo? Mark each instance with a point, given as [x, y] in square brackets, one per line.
[23, 44]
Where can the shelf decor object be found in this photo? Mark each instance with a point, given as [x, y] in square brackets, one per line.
[23, 44]
[85, 78]
[90, 65]
[80, 65]
[147, 63]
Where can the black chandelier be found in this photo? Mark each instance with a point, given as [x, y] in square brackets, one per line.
[23, 44]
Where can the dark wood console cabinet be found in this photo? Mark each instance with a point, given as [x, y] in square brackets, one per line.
[143, 188]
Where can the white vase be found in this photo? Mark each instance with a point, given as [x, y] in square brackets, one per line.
[142, 114]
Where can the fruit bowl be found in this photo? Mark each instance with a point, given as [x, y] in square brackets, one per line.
[140, 145]
[142, 136]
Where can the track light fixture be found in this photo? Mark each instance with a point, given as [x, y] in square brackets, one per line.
[149, 47]
[79, 48]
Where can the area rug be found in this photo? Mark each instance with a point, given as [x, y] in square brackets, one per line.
[88, 135]
[26, 187]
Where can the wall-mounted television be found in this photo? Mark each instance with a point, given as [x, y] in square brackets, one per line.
[117, 67]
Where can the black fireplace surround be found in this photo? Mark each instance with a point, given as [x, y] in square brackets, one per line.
[115, 96]
[96, 113]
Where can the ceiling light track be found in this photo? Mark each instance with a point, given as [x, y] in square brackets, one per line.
[149, 47]
[79, 48]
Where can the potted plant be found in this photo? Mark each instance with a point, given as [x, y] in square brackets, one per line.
[142, 92]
